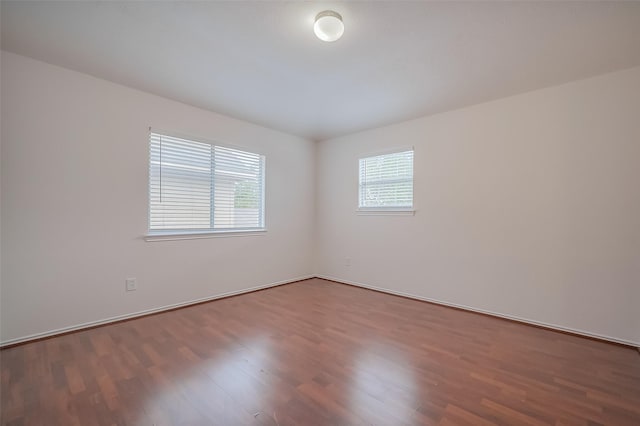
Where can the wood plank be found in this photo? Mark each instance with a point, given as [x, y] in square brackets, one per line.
[319, 353]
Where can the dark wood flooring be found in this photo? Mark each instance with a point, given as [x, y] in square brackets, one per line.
[319, 353]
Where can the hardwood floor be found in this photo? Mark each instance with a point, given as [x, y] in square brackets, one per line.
[319, 353]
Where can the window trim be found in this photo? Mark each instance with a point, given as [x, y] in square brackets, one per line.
[388, 211]
[198, 235]
[193, 234]
[392, 210]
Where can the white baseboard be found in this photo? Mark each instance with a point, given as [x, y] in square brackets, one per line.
[482, 311]
[145, 312]
[105, 321]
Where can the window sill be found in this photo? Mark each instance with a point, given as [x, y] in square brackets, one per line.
[386, 212]
[185, 235]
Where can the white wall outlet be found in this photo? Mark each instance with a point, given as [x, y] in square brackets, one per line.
[131, 284]
[347, 261]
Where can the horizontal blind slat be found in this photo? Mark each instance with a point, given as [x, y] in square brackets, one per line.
[386, 180]
[194, 185]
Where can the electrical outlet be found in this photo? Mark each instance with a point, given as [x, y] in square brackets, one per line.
[131, 284]
[347, 261]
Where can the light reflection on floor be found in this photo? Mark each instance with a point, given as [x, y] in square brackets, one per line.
[215, 385]
[382, 378]
[382, 383]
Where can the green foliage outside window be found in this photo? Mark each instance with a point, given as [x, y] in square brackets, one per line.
[246, 195]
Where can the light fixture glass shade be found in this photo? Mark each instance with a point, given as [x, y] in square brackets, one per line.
[328, 26]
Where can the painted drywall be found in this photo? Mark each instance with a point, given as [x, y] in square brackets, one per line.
[74, 203]
[527, 206]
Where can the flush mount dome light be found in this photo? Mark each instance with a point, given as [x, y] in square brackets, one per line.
[328, 26]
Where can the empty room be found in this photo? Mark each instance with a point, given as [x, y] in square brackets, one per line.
[320, 213]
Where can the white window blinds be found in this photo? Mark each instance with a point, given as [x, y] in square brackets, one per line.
[386, 181]
[200, 187]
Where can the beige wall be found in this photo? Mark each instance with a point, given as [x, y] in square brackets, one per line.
[528, 207]
[74, 203]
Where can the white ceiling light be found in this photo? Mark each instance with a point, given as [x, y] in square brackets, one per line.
[328, 26]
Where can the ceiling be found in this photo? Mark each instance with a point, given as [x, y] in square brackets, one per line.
[260, 61]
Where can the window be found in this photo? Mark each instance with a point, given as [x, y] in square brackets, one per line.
[386, 182]
[197, 187]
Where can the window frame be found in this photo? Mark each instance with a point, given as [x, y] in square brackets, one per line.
[386, 210]
[187, 234]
